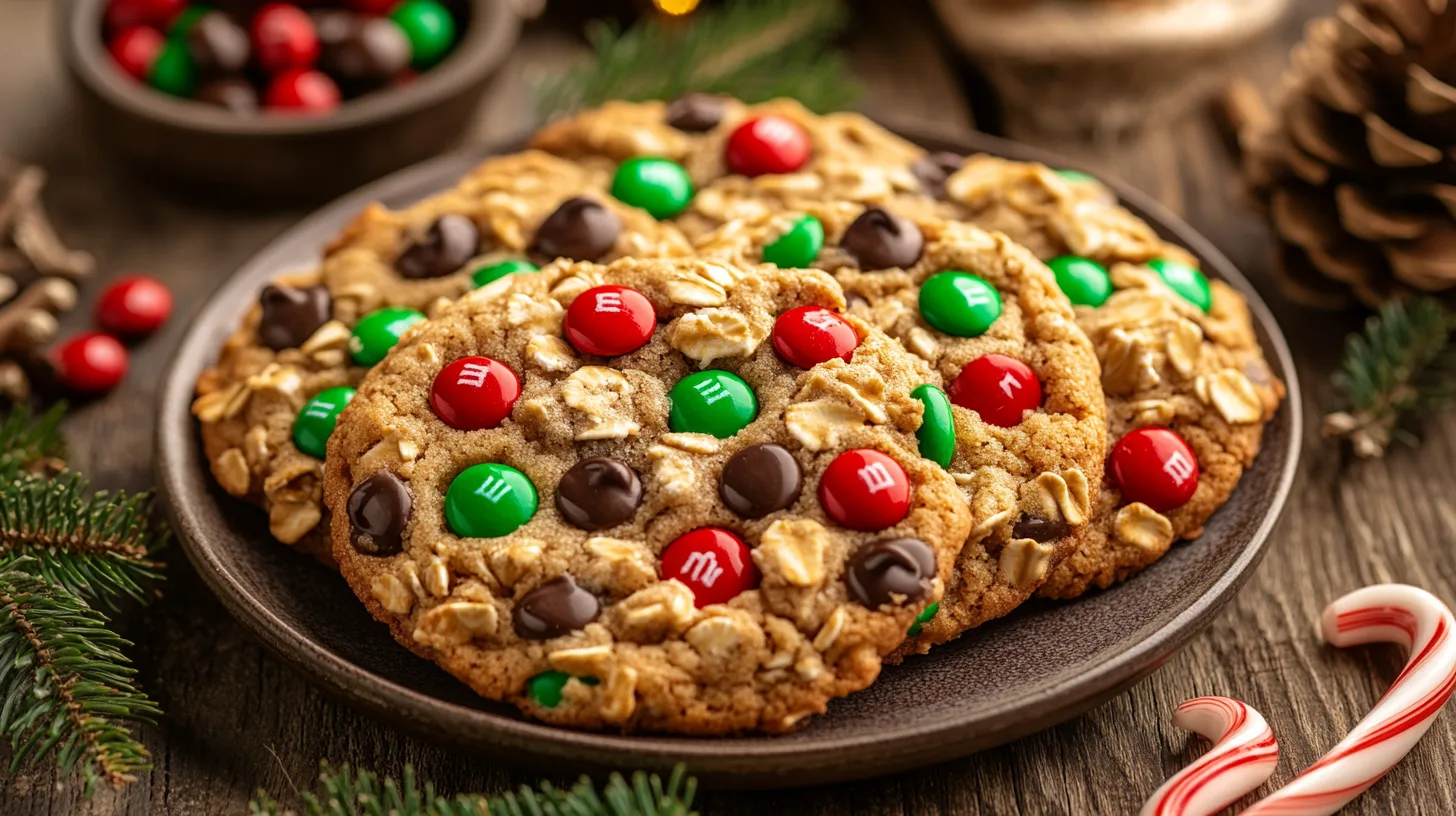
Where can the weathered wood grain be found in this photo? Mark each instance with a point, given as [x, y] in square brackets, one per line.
[237, 719]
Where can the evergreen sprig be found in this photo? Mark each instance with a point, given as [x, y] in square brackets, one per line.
[343, 791]
[65, 684]
[98, 547]
[754, 51]
[1401, 366]
[31, 446]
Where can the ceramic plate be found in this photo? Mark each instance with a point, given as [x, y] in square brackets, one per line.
[1043, 665]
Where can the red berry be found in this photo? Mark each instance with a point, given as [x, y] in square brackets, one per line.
[134, 306]
[122, 14]
[768, 144]
[1156, 467]
[90, 362]
[714, 563]
[609, 320]
[302, 90]
[376, 7]
[865, 490]
[473, 393]
[284, 37]
[999, 388]
[809, 335]
[136, 48]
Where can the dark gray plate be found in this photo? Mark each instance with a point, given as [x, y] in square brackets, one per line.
[1037, 668]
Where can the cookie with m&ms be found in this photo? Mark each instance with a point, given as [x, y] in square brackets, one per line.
[1016, 411]
[262, 427]
[1181, 365]
[678, 495]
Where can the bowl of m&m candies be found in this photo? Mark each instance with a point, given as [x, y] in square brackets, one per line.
[281, 101]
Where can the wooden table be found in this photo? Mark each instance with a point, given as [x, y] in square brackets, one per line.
[237, 719]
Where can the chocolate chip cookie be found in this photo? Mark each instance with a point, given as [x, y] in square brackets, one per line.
[1022, 408]
[668, 495]
[1188, 389]
[268, 406]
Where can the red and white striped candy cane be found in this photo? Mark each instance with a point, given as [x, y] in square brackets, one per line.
[1243, 756]
[1392, 613]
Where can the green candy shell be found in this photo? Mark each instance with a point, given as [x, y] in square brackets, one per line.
[429, 28]
[798, 247]
[1084, 281]
[174, 72]
[924, 617]
[937, 428]
[959, 303]
[546, 688]
[496, 271]
[711, 402]
[489, 501]
[1188, 282]
[378, 332]
[316, 420]
[659, 186]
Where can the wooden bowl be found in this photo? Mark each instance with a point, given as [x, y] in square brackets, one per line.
[1038, 667]
[279, 159]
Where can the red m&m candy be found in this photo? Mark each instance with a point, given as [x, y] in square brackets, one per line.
[377, 8]
[999, 388]
[809, 335]
[156, 13]
[609, 320]
[302, 90]
[135, 49]
[1156, 467]
[473, 393]
[714, 563]
[865, 490]
[134, 306]
[768, 144]
[90, 362]
[284, 37]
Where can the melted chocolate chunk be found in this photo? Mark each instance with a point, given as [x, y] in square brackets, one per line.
[379, 510]
[557, 607]
[580, 229]
[598, 493]
[934, 168]
[879, 240]
[695, 112]
[291, 315]
[882, 569]
[1039, 529]
[760, 479]
[445, 247]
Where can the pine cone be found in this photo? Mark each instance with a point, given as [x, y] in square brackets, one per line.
[1357, 166]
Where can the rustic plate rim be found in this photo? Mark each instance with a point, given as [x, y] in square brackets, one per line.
[1071, 692]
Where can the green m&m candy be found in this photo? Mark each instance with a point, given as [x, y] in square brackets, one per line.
[798, 246]
[959, 303]
[429, 28]
[546, 687]
[924, 617]
[1189, 283]
[711, 402]
[377, 332]
[659, 186]
[488, 501]
[496, 271]
[1076, 176]
[1084, 281]
[316, 420]
[937, 426]
[174, 72]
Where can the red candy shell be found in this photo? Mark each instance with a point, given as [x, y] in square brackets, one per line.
[135, 49]
[303, 90]
[809, 335]
[90, 362]
[474, 393]
[999, 388]
[284, 37]
[134, 306]
[609, 320]
[714, 563]
[768, 144]
[865, 490]
[1156, 467]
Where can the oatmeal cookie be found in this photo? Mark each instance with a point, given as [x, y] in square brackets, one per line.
[1024, 397]
[667, 495]
[269, 403]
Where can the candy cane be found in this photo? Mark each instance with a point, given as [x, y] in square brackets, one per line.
[1391, 613]
[1243, 756]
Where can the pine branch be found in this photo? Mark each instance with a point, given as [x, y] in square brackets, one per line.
[65, 685]
[754, 51]
[97, 547]
[31, 446]
[1401, 366]
[346, 792]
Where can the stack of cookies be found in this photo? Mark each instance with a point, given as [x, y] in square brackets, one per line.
[693, 415]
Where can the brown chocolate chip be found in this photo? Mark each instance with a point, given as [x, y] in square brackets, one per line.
[899, 566]
[234, 94]
[445, 247]
[291, 315]
[557, 607]
[933, 169]
[598, 493]
[695, 112]
[217, 44]
[362, 51]
[581, 229]
[759, 480]
[879, 240]
[1037, 528]
[379, 510]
